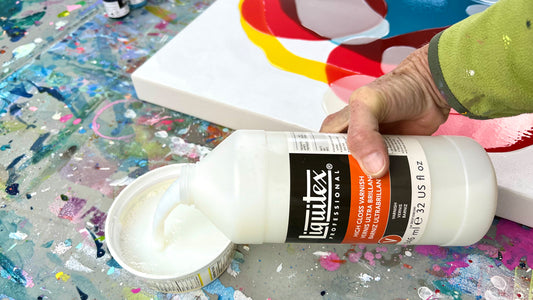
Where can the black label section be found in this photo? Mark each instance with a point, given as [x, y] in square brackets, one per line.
[400, 206]
[320, 198]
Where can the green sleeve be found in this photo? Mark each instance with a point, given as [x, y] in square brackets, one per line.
[483, 65]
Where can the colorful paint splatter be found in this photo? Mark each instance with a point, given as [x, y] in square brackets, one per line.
[73, 133]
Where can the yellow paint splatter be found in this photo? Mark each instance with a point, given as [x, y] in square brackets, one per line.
[506, 41]
[162, 13]
[62, 276]
[63, 14]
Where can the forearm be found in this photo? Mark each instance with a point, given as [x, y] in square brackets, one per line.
[482, 65]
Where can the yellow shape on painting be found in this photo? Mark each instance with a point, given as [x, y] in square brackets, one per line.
[282, 58]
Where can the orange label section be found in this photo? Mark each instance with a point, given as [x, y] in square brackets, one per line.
[369, 209]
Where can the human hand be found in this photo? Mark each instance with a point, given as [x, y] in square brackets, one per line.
[403, 101]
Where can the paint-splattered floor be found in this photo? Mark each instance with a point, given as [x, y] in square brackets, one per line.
[73, 134]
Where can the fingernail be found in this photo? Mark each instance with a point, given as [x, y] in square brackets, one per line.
[373, 163]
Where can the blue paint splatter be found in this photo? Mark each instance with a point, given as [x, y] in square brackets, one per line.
[217, 288]
[50, 91]
[47, 244]
[20, 90]
[5, 147]
[113, 263]
[111, 271]
[14, 109]
[38, 144]
[235, 266]
[13, 189]
[16, 28]
[99, 245]
[83, 296]
[447, 289]
[10, 271]
[138, 172]
[15, 161]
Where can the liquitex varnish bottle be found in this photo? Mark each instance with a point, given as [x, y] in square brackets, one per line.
[275, 187]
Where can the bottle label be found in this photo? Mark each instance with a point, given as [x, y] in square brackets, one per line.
[333, 201]
[117, 9]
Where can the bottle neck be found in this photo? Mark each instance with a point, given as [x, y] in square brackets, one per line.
[186, 179]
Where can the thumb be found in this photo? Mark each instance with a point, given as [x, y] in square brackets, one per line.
[364, 140]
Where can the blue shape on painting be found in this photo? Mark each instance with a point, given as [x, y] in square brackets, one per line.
[406, 16]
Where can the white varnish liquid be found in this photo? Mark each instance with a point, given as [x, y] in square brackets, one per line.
[191, 240]
[168, 202]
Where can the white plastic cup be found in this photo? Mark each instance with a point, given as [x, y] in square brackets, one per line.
[201, 273]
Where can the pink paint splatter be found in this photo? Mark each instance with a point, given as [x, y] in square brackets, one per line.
[434, 251]
[489, 250]
[29, 279]
[71, 8]
[72, 208]
[381, 249]
[33, 108]
[136, 291]
[517, 242]
[454, 265]
[355, 256]
[162, 25]
[76, 122]
[151, 121]
[369, 256]
[96, 127]
[65, 118]
[331, 262]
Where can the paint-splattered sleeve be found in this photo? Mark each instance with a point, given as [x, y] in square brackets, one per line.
[483, 65]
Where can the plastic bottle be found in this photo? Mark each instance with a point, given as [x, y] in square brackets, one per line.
[116, 9]
[275, 187]
[137, 3]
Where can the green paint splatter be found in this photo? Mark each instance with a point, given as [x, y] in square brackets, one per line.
[64, 197]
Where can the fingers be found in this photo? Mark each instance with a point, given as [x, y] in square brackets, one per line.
[336, 122]
[364, 140]
[403, 101]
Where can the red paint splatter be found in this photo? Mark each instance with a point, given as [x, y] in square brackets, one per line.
[407, 266]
